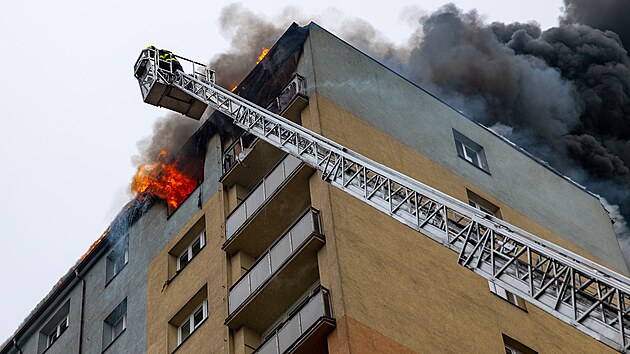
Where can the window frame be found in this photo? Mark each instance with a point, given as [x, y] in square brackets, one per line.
[190, 319]
[507, 296]
[122, 319]
[57, 331]
[113, 265]
[110, 323]
[188, 251]
[463, 144]
[512, 346]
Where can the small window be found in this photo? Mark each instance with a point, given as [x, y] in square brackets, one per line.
[117, 259]
[55, 327]
[57, 331]
[115, 324]
[513, 346]
[506, 295]
[191, 251]
[470, 151]
[192, 322]
[482, 204]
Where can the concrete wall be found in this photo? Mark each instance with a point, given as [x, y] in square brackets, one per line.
[68, 341]
[393, 290]
[148, 236]
[386, 101]
[207, 269]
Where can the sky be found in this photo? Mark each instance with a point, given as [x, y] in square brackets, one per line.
[71, 112]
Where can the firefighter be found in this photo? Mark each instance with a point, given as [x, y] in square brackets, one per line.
[167, 60]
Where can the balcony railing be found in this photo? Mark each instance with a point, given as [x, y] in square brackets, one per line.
[297, 86]
[303, 319]
[238, 150]
[260, 194]
[273, 260]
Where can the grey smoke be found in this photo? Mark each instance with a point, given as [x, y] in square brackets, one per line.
[563, 93]
[248, 33]
[170, 132]
[606, 15]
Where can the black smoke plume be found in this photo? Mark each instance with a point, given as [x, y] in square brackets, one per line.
[562, 93]
[606, 15]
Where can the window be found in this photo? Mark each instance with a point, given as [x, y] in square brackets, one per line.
[117, 259]
[192, 322]
[54, 328]
[191, 251]
[189, 245]
[506, 295]
[57, 331]
[512, 346]
[115, 324]
[482, 204]
[470, 151]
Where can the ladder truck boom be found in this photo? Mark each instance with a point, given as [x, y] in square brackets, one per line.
[582, 293]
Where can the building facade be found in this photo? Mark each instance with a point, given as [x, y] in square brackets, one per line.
[264, 256]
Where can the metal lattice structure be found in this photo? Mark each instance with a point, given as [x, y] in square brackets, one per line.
[584, 294]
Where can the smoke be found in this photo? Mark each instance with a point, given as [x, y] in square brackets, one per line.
[248, 34]
[607, 15]
[562, 93]
[170, 132]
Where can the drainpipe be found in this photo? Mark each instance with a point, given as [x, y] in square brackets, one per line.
[16, 345]
[76, 272]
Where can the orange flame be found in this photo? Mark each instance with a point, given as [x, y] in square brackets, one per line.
[262, 55]
[93, 246]
[234, 88]
[163, 180]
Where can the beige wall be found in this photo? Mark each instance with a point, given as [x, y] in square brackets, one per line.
[388, 281]
[392, 289]
[207, 268]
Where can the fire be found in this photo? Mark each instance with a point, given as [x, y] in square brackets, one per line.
[234, 88]
[263, 53]
[163, 180]
[93, 246]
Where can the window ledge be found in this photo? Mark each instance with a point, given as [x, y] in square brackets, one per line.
[115, 275]
[114, 340]
[50, 346]
[511, 303]
[477, 167]
[178, 272]
[190, 335]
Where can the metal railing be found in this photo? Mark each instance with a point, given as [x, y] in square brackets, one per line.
[580, 292]
[257, 197]
[238, 151]
[311, 310]
[297, 86]
[240, 148]
[274, 258]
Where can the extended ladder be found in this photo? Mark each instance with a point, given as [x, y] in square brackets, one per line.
[584, 294]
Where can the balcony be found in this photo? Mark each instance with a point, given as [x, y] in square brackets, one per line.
[291, 100]
[247, 159]
[269, 208]
[279, 276]
[305, 331]
[247, 156]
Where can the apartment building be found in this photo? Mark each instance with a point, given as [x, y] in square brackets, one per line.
[266, 257]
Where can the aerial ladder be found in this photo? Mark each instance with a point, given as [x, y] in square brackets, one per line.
[580, 292]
